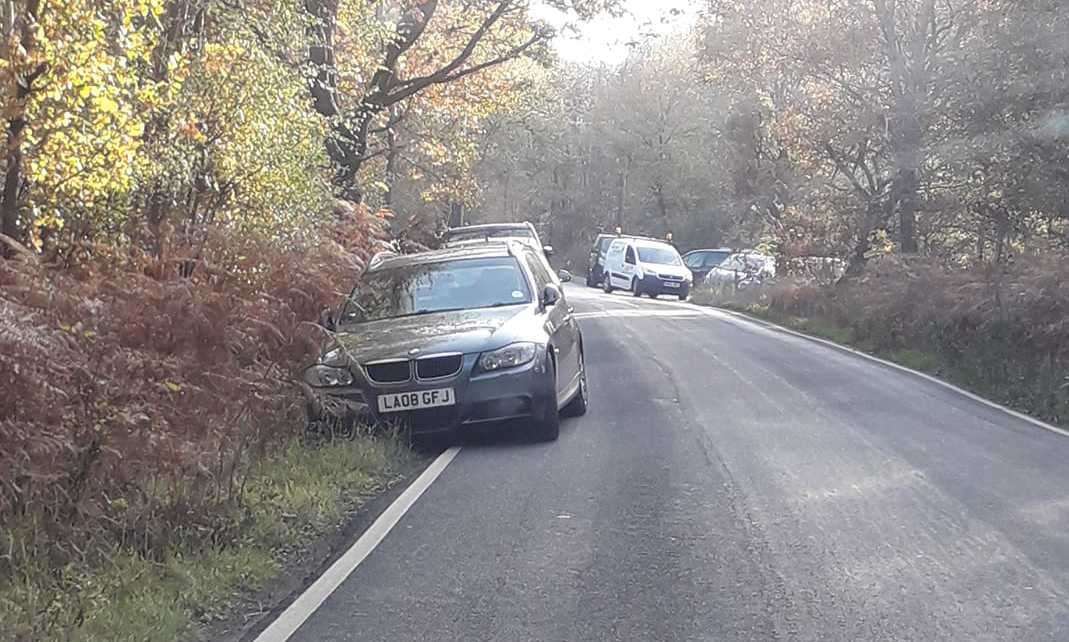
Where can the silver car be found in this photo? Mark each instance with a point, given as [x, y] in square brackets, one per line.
[501, 232]
[453, 338]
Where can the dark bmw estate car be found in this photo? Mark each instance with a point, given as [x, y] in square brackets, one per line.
[451, 338]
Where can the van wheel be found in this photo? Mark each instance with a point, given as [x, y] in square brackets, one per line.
[606, 285]
[636, 289]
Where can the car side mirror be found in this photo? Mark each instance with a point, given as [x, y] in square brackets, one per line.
[565, 276]
[327, 320]
[550, 296]
[548, 250]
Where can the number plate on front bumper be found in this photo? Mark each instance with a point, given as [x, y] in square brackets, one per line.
[401, 401]
[671, 284]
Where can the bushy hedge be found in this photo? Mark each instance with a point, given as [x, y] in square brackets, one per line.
[1002, 330]
[138, 388]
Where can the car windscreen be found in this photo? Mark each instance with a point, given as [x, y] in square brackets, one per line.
[454, 236]
[658, 255]
[462, 284]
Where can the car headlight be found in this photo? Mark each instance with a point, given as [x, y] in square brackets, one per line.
[334, 357]
[510, 356]
[324, 376]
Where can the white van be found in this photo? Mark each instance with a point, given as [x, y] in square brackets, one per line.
[646, 266]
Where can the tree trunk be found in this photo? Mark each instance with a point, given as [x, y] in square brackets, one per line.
[456, 214]
[909, 57]
[13, 180]
[623, 192]
[506, 206]
[321, 54]
[907, 188]
[392, 155]
[662, 207]
[859, 257]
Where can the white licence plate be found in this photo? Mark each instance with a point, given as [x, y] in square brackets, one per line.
[401, 401]
[671, 284]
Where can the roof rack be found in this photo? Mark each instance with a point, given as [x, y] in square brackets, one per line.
[379, 257]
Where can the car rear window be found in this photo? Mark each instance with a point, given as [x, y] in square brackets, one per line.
[462, 284]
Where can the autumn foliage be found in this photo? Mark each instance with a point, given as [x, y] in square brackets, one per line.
[137, 389]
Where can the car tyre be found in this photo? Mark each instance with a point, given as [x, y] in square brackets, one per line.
[606, 285]
[546, 426]
[578, 405]
[636, 288]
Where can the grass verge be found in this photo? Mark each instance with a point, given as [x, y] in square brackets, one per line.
[288, 499]
[1033, 391]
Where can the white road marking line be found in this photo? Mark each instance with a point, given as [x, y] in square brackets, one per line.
[306, 604]
[722, 313]
[675, 314]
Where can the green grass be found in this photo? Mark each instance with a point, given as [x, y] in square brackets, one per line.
[844, 335]
[916, 359]
[297, 494]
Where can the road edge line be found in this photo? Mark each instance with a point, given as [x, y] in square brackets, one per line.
[287, 623]
[1039, 423]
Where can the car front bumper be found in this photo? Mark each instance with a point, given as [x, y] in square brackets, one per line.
[657, 285]
[485, 397]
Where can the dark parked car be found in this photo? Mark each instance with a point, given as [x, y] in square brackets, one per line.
[596, 265]
[451, 338]
[701, 262]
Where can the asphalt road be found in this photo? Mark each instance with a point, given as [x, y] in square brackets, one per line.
[730, 482]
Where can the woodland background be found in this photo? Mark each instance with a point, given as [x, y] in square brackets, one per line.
[187, 183]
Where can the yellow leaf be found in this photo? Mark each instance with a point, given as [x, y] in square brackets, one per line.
[106, 104]
[172, 386]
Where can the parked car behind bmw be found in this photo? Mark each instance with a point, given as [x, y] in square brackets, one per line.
[701, 262]
[496, 232]
[595, 270]
[451, 338]
[743, 269]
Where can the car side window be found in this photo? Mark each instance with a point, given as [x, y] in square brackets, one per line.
[694, 260]
[538, 268]
[713, 259]
[629, 258]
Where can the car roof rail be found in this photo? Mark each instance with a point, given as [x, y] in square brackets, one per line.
[379, 257]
